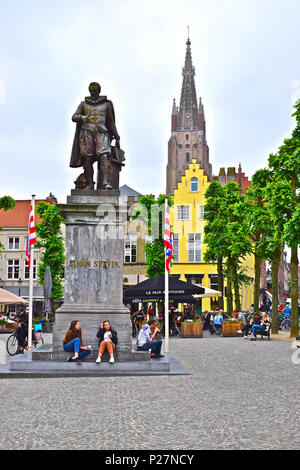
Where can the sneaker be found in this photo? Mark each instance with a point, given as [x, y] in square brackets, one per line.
[90, 347]
[245, 337]
[69, 359]
[98, 359]
[253, 339]
[111, 360]
[157, 356]
[240, 331]
[77, 360]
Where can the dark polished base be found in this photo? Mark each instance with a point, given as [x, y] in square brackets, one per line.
[95, 192]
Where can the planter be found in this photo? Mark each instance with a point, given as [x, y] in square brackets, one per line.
[47, 328]
[191, 330]
[3, 329]
[231, 328]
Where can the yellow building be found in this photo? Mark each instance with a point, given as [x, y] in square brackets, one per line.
[187, 220]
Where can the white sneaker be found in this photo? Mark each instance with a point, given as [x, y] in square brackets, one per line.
[90, 347]
[245, 337]
[239, 331]
[111, 359]
[98, 359]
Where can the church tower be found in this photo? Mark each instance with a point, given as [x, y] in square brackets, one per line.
[188, 133]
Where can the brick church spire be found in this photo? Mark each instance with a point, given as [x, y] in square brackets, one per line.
[188, 132]
[188, 109]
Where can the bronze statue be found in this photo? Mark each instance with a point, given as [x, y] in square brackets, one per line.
[95, 130]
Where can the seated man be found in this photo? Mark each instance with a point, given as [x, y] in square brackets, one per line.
[146, 340]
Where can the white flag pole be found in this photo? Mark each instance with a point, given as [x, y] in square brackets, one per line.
[166, 296]
[31, 281]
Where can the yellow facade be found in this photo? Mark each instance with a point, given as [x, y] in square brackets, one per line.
[187, 221]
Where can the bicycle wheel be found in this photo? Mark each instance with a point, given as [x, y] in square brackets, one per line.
[12, 345]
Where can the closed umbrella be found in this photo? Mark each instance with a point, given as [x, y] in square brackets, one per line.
[47, 291]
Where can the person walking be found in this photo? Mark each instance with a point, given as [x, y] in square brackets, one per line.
[108, 341]
[73, 343]
[22, 331]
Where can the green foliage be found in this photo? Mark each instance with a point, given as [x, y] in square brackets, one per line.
[150, 211]
[50, 241]
[6, 203]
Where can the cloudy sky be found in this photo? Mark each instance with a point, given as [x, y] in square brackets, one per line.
[246, 55]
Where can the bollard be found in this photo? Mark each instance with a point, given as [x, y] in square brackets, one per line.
[2, 352]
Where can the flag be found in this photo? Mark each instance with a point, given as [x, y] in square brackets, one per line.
[31, 238]
[168, 239]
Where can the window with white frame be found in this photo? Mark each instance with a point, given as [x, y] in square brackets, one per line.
[194, 247]
[130, 249]
[26, 269]
[13, 269]
[194, 185]
[13, 243]
[201, 212]
[183, 212]
[175, 247]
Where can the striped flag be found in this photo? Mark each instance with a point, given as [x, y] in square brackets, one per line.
[31, 238]
[168, 239]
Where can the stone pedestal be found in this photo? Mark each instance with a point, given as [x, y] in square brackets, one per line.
[94, 272]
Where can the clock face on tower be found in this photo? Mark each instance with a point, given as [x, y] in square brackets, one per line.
[187, 115]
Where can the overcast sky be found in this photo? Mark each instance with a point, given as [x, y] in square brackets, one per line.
[246, 55]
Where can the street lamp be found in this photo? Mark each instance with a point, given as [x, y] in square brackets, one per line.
[20, 285]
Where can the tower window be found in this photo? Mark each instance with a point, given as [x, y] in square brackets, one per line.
[186, 137]
[187, 156]
[194, 185]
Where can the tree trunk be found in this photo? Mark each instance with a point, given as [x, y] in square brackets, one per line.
[257, 269]
[229, 298]
[236, 286]
[220, 283]
[275, 268]
[294, 291]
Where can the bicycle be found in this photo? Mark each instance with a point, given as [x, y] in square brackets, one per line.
[12, 344]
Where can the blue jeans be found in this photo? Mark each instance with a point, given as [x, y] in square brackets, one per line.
[255, 328]
[74, 346]
[154, 345]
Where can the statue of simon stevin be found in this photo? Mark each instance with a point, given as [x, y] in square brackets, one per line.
[95, 130]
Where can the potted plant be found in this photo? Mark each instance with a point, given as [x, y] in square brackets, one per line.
[231, 326]
[192, 329]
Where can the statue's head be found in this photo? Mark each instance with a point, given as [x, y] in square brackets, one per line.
[94, 89]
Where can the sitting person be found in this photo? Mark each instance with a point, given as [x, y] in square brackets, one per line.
[246, 330]
[218, 321]
[108, 341]
[147, 339]
[265, 322]
[73, 343]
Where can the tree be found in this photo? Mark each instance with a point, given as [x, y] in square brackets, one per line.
[260, 229]
[6, 203]
[214, 231]
[150, 211]
[286, 167]
[50, 241]
[226, 234]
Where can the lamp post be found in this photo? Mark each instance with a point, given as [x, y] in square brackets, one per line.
[20, 285]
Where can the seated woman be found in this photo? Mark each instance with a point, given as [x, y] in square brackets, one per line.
[108, 341]
[265, 321]
[73, 343]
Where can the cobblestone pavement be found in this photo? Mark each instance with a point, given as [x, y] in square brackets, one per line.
[240, 395]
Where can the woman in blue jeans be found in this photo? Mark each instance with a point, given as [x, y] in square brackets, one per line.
[265, 321]
[73, 343]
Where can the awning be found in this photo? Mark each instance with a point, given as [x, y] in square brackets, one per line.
[7, 298]
[208, 293]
